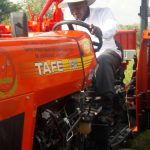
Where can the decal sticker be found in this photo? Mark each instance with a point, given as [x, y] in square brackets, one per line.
[7, 76]
[86, 45]
[60, 66]
[49, 67]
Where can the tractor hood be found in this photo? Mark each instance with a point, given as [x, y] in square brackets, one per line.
[57, 63]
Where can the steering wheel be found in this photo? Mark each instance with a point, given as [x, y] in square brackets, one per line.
[70, 23]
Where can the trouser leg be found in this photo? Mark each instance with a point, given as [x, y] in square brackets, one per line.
[107, 65]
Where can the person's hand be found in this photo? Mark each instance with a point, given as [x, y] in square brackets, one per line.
[94, 30]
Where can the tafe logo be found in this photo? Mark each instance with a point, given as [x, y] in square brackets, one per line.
[85, 44]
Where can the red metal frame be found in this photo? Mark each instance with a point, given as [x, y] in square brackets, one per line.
[41, 24]
[5, 30]
[143, 80]
[127, 39]
[38, 23]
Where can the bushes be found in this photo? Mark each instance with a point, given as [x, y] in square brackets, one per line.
[6, 7]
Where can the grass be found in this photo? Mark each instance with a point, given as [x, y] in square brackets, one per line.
[141, 141]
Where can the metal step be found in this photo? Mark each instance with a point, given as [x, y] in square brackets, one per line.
[118, 137]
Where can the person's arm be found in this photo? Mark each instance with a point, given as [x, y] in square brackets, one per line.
[94, 30]
[109, 25]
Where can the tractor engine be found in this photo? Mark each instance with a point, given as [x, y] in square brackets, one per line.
[70, 122]
[58, 123]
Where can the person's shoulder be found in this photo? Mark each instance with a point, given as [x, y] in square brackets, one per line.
[101, 10]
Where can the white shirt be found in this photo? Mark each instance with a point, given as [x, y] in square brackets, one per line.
[104, 19]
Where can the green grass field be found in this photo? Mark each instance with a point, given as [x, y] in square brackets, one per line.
[140, 141]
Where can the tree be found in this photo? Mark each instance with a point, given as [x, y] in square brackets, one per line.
[36, 6]
[6, 7]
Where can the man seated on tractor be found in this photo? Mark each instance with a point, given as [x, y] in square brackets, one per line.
[102, 24]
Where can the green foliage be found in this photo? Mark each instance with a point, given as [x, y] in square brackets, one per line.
[36, 6]
[6, 7]
[128, 72]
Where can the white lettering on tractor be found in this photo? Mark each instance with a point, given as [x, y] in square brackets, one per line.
[48, 68]
[60, 67]
[53, 66]
[39, 65]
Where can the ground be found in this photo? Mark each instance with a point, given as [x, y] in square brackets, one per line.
[140, 141]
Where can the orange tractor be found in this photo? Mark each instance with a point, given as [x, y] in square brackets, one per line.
[46, 98]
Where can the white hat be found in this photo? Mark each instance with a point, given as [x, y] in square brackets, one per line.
[64, 3]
